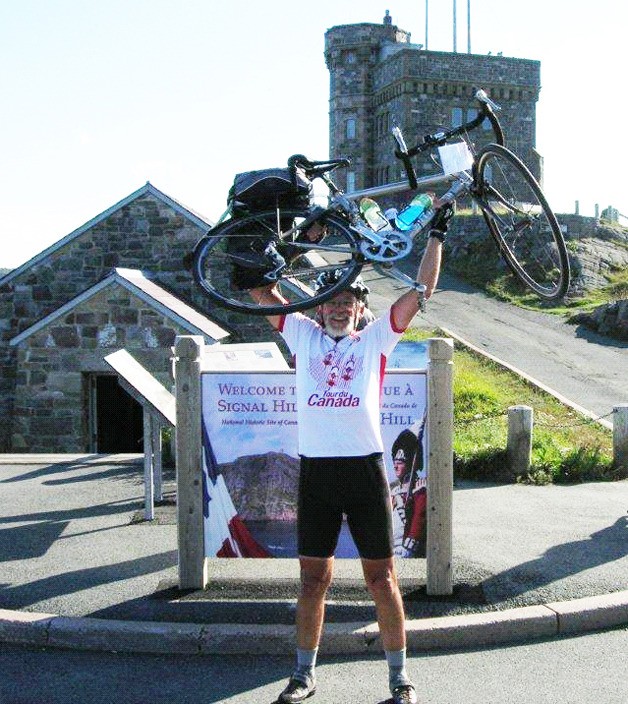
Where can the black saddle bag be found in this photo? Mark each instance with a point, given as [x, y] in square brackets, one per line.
[255, 191]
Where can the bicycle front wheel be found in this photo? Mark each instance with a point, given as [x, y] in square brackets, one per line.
[522, 222]
[288, 247]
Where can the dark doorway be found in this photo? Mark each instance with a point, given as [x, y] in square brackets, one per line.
[117, 419]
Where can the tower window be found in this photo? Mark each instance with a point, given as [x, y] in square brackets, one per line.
[472, 114]
[351, 128]
[350, 181]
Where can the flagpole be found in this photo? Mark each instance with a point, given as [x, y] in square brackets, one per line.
[468, 26]
[426, 23]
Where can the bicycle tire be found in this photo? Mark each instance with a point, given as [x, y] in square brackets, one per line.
[219, 270]
[521, 222]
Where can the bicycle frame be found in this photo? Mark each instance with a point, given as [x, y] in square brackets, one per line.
[460, 185]
[400, 186]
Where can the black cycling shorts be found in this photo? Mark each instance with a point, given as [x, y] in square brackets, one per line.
[354, 486]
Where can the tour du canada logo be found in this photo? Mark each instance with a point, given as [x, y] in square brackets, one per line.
[333, 374]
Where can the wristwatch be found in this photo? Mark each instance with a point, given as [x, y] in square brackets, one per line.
[420, 289]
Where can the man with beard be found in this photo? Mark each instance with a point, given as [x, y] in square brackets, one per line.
[339, 372]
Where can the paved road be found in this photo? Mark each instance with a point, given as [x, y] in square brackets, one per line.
[69, 546]
[584, 670]
[588, 369]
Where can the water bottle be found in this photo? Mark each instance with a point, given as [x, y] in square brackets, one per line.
[408, 218]
[373, 215]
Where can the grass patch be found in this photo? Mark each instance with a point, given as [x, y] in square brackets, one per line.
[566, 448]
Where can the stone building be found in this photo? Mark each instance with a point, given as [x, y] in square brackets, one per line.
[119, 281]
[377, 75]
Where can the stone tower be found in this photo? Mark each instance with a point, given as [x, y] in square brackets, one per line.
[377, 75]
[353, 54]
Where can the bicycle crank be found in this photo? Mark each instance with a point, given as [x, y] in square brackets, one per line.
[389, 247]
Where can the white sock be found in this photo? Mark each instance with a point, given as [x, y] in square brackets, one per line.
[306, 662]
[397, 675]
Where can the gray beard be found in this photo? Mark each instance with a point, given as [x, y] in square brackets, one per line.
[334, 332]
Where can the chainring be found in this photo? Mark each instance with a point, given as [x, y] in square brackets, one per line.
[394, 245]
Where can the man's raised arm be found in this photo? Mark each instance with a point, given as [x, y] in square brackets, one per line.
[407, 306]
[269, 295]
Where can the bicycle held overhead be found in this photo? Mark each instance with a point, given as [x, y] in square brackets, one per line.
[271, 233]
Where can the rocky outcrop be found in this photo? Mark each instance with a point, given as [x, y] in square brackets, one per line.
[595, 254]
[597, 249]
[263, 487]
[610, 319]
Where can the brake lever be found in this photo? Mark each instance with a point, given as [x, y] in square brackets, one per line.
[482, 96]
[403, 154]
[401, 143]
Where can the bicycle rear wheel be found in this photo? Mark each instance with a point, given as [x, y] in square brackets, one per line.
[521, 222]
[288, 245]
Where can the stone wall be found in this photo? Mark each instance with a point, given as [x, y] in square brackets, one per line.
[144, 234]
[51, 390]
[596, 249]
[351, 54]
[423, 89]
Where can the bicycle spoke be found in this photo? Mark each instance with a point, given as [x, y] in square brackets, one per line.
[276, 248]
[522, 223]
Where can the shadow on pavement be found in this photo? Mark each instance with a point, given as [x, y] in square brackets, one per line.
[120, 471]
[27, 542]
[108, 509]
[585, 333]
[21, 596]
[561, 561]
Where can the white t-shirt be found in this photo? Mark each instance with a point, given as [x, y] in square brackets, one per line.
[339, 385]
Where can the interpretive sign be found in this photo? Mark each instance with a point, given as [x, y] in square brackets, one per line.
[251, 461]
[197, 539]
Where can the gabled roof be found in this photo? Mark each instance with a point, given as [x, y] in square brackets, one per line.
[137, 283]
[148, 189]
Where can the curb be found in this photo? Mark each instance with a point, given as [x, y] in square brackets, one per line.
[479, 630]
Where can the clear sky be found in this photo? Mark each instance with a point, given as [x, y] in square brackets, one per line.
[100, 96]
